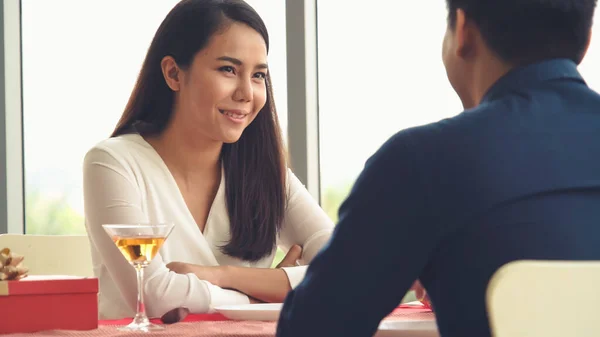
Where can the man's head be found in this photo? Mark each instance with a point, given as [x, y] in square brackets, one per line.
[513, 33]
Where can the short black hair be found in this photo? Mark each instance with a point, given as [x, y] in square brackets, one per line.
[528, 31]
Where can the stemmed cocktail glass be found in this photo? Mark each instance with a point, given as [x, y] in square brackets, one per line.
[139, 244]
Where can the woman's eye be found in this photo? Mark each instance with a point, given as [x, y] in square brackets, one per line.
[227, 69]
[262, 76]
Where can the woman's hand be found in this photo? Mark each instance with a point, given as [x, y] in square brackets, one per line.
[291, 258]
[213, 274]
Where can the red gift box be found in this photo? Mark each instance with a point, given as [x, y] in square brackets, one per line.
[37, 303]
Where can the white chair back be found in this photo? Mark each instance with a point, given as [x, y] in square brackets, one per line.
[545, 299]
[52, 254]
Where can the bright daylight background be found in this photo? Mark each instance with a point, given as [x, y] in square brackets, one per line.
[380, 71]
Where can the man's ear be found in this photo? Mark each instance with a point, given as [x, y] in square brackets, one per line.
[464, 34]
[171, 72]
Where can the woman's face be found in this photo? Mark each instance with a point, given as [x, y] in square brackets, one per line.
[224, 88]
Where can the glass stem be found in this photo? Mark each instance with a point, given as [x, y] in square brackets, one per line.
[140, 316]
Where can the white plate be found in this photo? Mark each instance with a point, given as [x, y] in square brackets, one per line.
[251, 312]
[407, 328]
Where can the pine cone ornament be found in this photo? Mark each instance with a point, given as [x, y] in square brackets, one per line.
[11, 266]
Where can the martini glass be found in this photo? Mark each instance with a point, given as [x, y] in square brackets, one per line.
[139, 244]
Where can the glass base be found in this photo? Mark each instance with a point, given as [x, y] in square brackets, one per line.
[141, 325]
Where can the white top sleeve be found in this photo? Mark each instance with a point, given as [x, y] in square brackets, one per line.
[305, 224]
[112, 196]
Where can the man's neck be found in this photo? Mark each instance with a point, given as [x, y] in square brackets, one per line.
[486, 72]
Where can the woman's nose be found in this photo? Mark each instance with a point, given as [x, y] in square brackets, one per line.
[243, 92]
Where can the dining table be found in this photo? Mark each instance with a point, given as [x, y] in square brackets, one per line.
[217, 325]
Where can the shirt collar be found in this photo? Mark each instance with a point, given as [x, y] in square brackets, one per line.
[529, 75]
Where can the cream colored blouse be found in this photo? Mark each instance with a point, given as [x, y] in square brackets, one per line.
[126, 182]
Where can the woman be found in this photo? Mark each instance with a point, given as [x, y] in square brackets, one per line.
[199, 145]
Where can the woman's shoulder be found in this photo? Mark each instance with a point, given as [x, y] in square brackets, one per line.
[121, 143]
[293, 184]
[121, 148]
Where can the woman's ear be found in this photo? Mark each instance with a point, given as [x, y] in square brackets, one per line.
[171, 72]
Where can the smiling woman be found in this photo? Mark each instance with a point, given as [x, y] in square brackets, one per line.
[199, 145]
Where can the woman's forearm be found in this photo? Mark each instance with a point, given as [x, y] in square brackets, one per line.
[261, 284]
[268, 285]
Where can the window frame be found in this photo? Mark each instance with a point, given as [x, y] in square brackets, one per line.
[303, 99]
[12, 211]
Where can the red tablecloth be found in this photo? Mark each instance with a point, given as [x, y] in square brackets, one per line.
[214, 325]
[189, 318]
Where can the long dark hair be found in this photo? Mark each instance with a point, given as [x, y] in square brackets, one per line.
[255, 166]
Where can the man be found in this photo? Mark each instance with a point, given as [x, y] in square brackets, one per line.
[515, 176]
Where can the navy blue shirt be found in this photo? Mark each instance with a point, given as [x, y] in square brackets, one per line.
[517, 177]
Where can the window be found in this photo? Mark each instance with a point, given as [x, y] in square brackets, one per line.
[375, 78]
[80, 62]
[381, 75]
